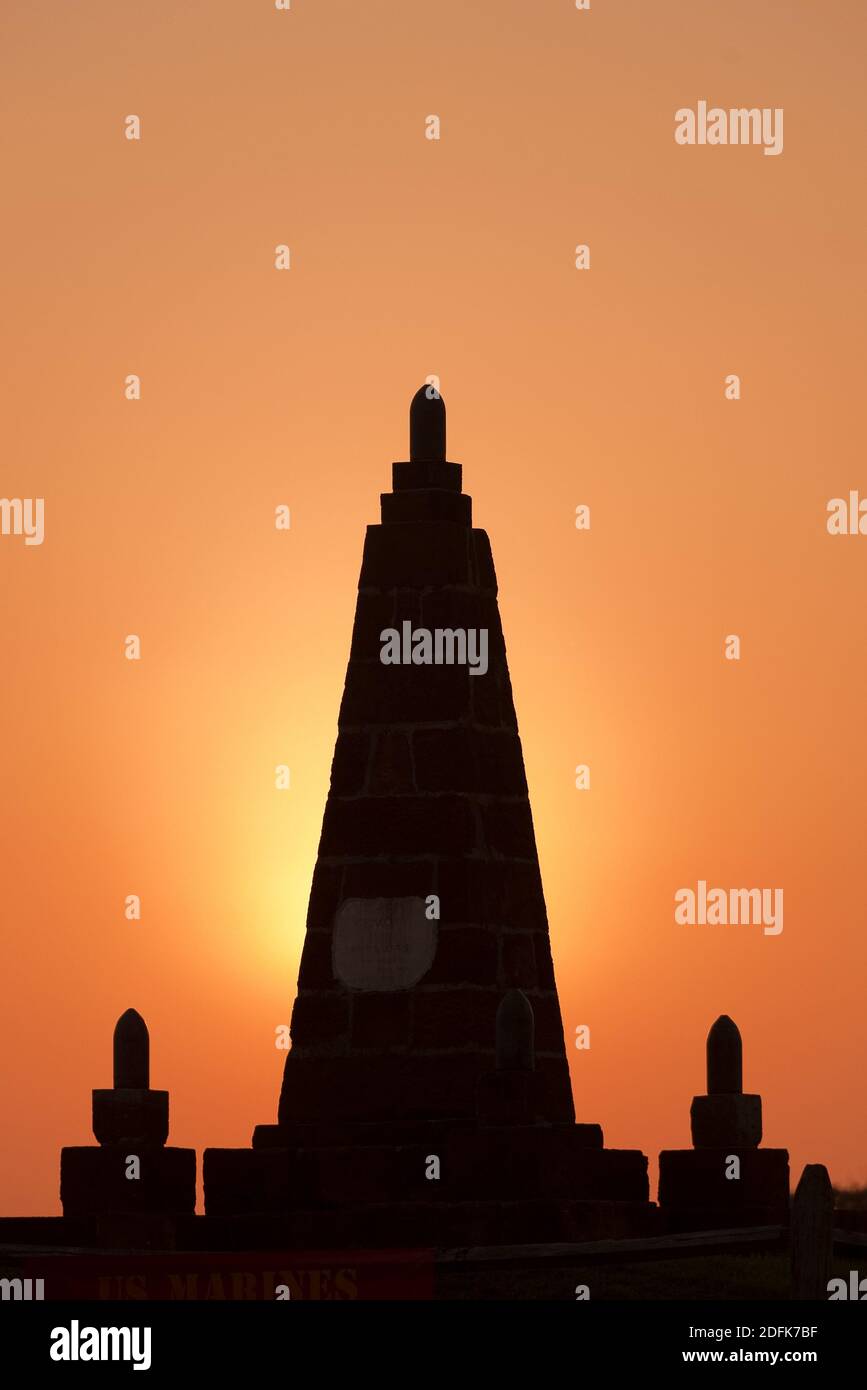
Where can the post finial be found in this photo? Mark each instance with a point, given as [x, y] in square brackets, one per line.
[725, 1058]
[131, 1052]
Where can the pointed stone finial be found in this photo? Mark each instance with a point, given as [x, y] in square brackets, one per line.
[725, 1059]
[515, 1028]
[131, 1052]
[427, 426]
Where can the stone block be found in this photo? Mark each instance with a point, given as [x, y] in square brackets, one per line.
[452, 1018]
[325, 896]
[267, 1137]
[499, 892]
[93, 1180]
[240, 1181]
[407, 609]
[517, 961]
[506, 1097]
[391, 765]
[491, 696]
[134, 1116]
[469, 760]
[617, 1175]
[392, 695]
[315, 971]
[696, 1178]
[321, 1019]
[378, 1087]
[526, 1162]
[549, 1024]
[415, 555]
[470, 890]
[452, 608]
[346, 1134]
[523, 900]
[678, 1220]
[381, 1020]
[445, 760]
[376, 1174]
[349, 765]
[501, 763]
[508, 829]
[494, 1185]
[442, 475]
[389, 878]
[426, 504]
[554, 1088]
[465, 956]
[718, 1120]
[373, 612]
[406, 825]
[544, 960]
[484, 573]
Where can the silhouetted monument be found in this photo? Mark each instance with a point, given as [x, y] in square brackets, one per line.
[701, 1188]
[426, 1100]
[427, 1021]
[131, 1170]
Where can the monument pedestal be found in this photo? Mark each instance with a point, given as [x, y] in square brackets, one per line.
[93, 1181]
[489, 1184]
[498, 1177]
[696, 1195]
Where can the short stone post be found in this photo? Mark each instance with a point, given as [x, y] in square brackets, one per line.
[812, 1233]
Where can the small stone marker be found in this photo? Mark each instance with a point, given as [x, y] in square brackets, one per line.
[812, 1235]
[725, 1180]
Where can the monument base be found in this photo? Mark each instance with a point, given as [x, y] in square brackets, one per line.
[696, 1195]
[93, 1181]
[435, 1185]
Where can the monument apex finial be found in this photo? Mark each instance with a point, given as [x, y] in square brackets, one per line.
[427, 426]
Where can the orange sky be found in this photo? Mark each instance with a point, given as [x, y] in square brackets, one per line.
[605, 387]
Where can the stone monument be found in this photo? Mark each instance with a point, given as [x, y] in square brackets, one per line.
[725, 1179]
[426, 1097]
